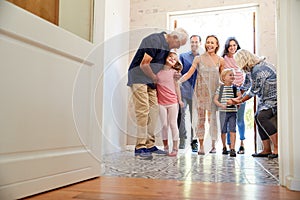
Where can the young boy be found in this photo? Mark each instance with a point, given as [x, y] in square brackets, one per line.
[228, 112]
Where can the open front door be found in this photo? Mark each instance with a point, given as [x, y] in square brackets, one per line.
[42, 146]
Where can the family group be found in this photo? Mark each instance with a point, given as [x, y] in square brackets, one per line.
[164, 84]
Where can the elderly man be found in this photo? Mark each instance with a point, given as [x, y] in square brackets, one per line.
[148, 60]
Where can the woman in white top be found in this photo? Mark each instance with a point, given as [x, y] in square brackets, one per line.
[208, 66]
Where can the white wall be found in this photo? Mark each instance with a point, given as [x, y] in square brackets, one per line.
[114, 75]
[288, 97]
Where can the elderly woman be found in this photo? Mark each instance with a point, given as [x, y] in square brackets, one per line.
[263, 86]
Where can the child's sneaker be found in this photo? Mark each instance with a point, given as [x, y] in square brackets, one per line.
[157, 151]
[232, 153]
[225, 152]
[142, 152]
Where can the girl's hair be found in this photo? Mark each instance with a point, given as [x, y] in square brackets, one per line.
[246, 60]
[178, 66]
[225, 52]
[217, 42]
[224, 73]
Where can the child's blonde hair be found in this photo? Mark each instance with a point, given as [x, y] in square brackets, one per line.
[224, 73]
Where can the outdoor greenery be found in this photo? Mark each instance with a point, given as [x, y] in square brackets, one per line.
[249, 114]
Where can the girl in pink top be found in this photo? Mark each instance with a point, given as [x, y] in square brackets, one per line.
[168, 94]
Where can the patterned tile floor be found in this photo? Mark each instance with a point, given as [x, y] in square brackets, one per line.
[188, 166]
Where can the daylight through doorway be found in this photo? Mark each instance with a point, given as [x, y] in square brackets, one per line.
[223, 22]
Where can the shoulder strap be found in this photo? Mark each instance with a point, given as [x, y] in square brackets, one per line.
[234, 91]
[220, 92]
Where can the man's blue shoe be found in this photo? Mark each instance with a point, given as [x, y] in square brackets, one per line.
[157, 151]
[142, 152]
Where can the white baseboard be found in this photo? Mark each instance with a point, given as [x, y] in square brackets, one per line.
[293, 183]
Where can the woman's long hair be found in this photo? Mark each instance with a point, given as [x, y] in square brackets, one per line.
[225, 52]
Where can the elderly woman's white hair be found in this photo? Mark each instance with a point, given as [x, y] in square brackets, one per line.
[246, 60]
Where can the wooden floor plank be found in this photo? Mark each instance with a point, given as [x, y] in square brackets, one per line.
[121, 188]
